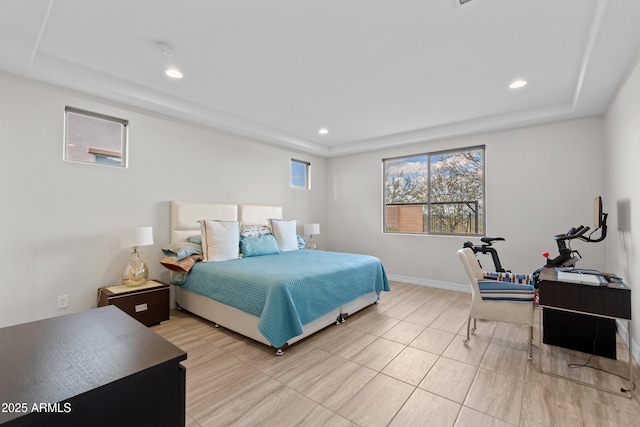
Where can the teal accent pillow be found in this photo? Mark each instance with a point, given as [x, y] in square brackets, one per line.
[181, 250]
[256, 246]
[177, 278]
[195, 239]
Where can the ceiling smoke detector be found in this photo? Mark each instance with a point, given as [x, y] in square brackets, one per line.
[164, 48]
[460, 3]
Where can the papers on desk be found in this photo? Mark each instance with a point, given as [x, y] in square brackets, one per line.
[549, 273]
[582, 278]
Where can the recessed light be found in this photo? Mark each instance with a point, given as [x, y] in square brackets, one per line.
[174, 73]
[518, 84]
[323, 131]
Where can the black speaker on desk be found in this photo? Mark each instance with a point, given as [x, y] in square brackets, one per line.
[581, 332]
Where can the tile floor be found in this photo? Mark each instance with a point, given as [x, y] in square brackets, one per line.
[399, 363]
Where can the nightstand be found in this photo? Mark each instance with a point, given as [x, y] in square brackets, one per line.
[148, 303]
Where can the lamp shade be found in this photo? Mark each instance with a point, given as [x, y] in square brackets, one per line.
[140, 236]
[311, 229]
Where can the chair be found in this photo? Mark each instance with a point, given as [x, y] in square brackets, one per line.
[497, 300]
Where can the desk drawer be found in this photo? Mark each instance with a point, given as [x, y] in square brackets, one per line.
[598, 300]
[149, 306]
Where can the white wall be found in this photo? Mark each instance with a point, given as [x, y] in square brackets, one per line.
[60, 220]
[540, 181]
[622, 132]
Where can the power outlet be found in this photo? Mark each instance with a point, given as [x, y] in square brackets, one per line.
[63, 301]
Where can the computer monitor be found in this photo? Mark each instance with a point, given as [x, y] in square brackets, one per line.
[599, 221]
[597, 212]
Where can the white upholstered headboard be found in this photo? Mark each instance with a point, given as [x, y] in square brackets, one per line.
[185, 215]
[258, 214]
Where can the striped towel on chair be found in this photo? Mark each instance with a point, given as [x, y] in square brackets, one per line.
[505, 291]
[508, 277]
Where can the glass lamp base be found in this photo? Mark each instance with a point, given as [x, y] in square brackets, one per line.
[311, 243]
[135, 272]
[134, 283]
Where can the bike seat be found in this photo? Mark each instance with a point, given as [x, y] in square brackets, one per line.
[489, 240]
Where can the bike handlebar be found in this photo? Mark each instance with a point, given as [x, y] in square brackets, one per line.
[573, 233]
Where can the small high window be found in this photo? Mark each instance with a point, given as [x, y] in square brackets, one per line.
[300, 172]
[95, 138]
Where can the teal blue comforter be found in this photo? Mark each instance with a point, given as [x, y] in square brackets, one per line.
[289, 289]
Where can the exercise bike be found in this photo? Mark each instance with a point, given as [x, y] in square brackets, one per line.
[568, 257]
[487, 248]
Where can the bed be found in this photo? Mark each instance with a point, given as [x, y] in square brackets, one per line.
[276, 299]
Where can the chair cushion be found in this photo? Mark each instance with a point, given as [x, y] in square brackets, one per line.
[508, 277]
[505, 291]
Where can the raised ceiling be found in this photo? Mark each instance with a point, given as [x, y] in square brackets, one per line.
[374, 73]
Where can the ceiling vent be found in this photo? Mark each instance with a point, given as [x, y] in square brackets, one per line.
[460, 3]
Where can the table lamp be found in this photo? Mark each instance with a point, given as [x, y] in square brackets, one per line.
[135, 272]
[311, 230]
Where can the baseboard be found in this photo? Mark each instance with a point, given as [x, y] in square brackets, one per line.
[430, 283]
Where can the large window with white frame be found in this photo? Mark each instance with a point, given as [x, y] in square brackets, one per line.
[435, 193]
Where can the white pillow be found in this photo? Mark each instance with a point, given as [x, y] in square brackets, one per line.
[285, 234]
[220, 240]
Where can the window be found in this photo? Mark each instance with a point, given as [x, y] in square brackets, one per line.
[95, 138]
[300, 174]
[435, 193]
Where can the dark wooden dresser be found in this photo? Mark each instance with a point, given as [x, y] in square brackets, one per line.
[96, 368]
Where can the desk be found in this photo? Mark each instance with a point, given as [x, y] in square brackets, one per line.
[609, 303]
[95, 368]
[584, 309]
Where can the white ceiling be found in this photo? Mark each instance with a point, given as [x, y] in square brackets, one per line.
[376, 73]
